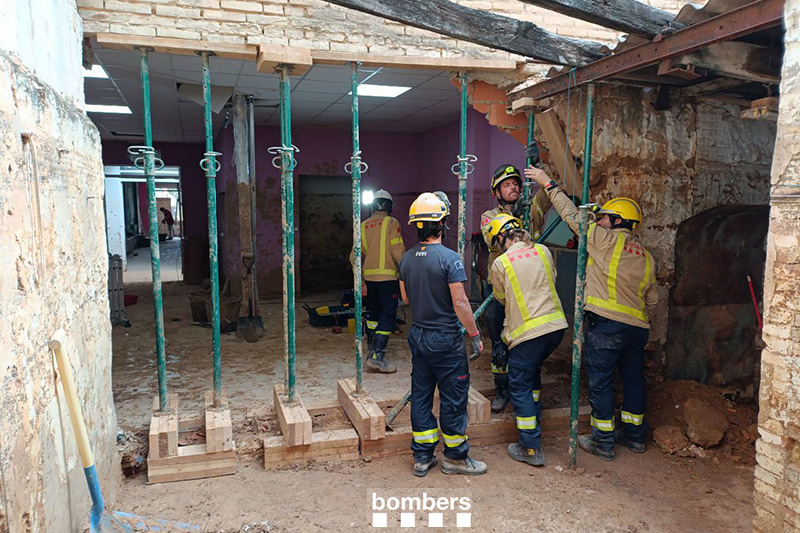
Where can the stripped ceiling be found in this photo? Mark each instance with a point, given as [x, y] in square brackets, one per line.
[320, 97]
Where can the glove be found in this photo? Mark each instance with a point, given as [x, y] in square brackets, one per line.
[532, 153]
[519, 206]
[499, 354]
[477, 346]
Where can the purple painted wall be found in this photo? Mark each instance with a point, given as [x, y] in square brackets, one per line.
[193, 187]
[405, 164]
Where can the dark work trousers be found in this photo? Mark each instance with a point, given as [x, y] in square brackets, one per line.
[381, 303]
[438, 358]
[495, 316]
[525, 384]
[609, 345]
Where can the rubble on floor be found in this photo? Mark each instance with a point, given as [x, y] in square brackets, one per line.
[695, 420]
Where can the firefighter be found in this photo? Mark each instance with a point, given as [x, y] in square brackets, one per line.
[382, 246]
[621, 290]
[524, 283]
[432, 280]
[507, 188]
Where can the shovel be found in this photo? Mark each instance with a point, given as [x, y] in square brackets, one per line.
[251, 327]
[100, 520]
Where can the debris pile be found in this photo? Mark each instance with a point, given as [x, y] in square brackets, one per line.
[694, 420]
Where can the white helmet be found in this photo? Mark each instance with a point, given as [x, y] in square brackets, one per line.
[382, 200]
[382, 194]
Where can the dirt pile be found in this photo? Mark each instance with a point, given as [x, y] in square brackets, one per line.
[695, 420]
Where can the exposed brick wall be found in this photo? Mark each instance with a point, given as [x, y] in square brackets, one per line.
[315, 24]
[777, 476]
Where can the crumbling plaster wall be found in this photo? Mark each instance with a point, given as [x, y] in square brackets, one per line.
[53, 274]
[675, 163]
[777, 483]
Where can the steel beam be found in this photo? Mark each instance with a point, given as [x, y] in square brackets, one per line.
[745, 20]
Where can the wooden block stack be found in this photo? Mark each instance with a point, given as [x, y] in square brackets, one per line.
[219, 429]
[294, 418]
[367, 418]
[479, 408]
[337, 445]
[163, 437]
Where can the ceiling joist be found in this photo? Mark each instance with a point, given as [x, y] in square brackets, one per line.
[629, 16]
[483, 28]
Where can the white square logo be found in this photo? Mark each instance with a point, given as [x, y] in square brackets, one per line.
[435, 520]
[407, 519]
[463, 519]
[379, 520]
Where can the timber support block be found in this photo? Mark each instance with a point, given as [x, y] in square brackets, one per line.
[167, 461]
[294, 418]
[367, 418]
[479, 408]
[325, 446]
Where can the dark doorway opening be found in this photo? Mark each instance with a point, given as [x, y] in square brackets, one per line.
[325, 214]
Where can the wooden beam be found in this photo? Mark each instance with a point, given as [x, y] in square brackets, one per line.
[760, 113]
[479, 409]
[326, 446]
[771, 102]
[192, 462]
[706, 87]
[483, 28]
[560, 154]
[326, 57]
[737, 60]
[629, 16]
[168, 45]
[365, 415]
[271, 57]
[750, 18]
[219, 429]
[293, 418]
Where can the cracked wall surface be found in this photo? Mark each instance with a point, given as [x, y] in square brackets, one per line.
[777, 483]
[53, 274]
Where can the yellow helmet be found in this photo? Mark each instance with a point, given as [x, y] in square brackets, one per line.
[502, 173]
[427, 208]
[623, 208]
[502, 223]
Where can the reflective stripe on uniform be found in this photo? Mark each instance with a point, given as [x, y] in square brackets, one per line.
[536, 394]
[611, 303]
[451, 441]
[630, 418]
[396, 241]
[364, 237]
[372, 324]
[526, 422]
[386, 271]
[603, 425]
[529, 323]
[499, 370]
[427, 436]
[382, 332]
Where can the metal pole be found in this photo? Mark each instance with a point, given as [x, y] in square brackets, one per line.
[211, 165]
[251, 167]
[462, 172]
[355, 173]
[152, 216]
[528, 185]
[287, 223]
[580, 282]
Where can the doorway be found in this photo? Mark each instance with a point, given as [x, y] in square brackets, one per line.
[325, 220]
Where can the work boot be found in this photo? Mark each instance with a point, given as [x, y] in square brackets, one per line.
[622, 440]
[370, 341]
[376, 362]
[500, 400]
[467, 466]
[532, 456]
[588, 444]
[423, 466]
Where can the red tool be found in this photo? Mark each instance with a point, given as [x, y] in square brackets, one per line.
[755, 302]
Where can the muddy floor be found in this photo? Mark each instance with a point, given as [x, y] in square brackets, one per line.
[653, 492]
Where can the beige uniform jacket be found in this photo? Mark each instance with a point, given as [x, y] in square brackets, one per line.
[524, 281]
[382, 247]
[539, 207]
[620, 273]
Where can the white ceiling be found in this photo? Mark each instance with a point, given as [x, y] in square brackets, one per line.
[319, 98]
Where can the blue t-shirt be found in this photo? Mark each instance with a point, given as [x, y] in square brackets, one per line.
[427, 270]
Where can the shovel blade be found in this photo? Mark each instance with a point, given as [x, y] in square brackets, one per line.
[251, 328]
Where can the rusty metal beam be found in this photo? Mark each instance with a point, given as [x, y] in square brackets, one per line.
[747, 19]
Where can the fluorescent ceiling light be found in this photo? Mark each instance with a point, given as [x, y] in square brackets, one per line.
[95, 72]
[116, 109]
[381, 91]
[367, 197]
